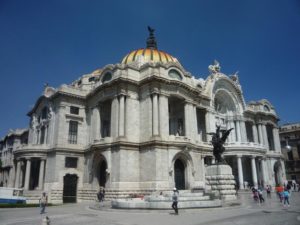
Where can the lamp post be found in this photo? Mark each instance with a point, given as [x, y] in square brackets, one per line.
[287, 146]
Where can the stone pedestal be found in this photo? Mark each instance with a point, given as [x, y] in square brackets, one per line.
[221, 181]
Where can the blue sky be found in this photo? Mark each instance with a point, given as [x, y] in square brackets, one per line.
[59, 40]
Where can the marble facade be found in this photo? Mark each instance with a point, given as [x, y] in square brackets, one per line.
[140, 126]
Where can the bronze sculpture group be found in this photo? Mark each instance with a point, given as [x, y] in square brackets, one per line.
[218, 144]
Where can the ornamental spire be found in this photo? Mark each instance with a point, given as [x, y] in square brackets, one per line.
[151, 41]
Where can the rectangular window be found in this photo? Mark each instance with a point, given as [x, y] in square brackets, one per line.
[290, 155]
[42, 140]
[73, 130]
[71, 162]
[249, 132]
[74, 110]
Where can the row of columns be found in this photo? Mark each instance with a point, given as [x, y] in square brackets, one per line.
[118, 111]
[27, 174]
[260, 135]
[254, 171]
[190, 123]
[259, 132]
[190, 117]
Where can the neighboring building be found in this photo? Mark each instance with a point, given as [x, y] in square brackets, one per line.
[141, 126]
[11, 142]
[290, 136]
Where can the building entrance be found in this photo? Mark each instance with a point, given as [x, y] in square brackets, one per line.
[179, 175]
[70, 188]
[102, 173]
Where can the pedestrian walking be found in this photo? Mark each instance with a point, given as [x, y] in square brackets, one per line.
[101, 195]
[279, 190]
[268, 189]
[175, 200]
[260, 196]
[43, 202]
[286, 196]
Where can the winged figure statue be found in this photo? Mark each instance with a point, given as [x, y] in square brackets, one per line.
[218, 142]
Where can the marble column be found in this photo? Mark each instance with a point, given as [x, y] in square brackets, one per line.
[187, 124]
[203, 167]
[240, 171]
[254, 131]
[46, 135]
[41, 174]
[238, 128]
[260, 134]
[194, 123]
[233, 133]
[155, 114]
[276, 139]
[207, 125]
[114, 127]
[27, 174]
[38, 141]
[95, 124]
[243, 131]
[163, 116]
[265, 136]
[254, 173]
[264, 172]
[122, 116]
[229, 139]
[283, 175]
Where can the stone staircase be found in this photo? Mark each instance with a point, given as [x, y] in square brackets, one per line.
[186, 199]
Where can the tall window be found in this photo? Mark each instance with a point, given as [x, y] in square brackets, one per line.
[290, 155]
[43, 131]
[105, 115]
[201, 124]
[73, 130]
[249, 132]
[176, 117]
[270, 137]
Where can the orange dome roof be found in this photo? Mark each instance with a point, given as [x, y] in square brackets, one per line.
[149, 55]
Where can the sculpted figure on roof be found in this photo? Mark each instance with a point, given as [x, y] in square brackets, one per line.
[215, 68]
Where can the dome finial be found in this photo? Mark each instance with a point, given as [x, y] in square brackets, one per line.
[151, 41]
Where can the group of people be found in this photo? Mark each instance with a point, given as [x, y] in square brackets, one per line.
[283, 193]
[257, 194]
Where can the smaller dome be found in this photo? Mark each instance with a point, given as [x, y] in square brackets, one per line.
[149, 55]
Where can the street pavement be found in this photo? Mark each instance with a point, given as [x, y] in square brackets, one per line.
[243, 212]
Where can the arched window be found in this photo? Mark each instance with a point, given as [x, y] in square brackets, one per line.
[266, 108]
[107, 77]
[175, 74]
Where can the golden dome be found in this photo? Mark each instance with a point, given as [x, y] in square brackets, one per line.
[149, 55]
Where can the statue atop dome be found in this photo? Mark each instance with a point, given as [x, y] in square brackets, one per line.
[151, 41]
[215, 68]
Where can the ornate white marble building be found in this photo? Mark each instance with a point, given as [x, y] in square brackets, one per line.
[140, 126]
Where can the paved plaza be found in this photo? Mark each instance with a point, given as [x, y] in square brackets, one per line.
[247, 213]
